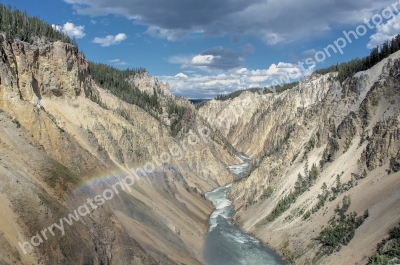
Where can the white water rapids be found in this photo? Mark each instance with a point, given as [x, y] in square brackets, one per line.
[225, 243]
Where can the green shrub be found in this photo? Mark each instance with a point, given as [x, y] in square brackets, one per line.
[388, 251]
[341, 228]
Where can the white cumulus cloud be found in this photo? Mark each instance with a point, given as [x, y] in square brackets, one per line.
[110, 40]
[216, 58]
[181, 75]
[195, 85]
[385, 32]
[71, 30]
[117, 62]
[202, 60]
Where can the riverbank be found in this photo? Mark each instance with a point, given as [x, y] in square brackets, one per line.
[226, 243]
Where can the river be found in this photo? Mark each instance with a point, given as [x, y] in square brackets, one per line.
[225, 243]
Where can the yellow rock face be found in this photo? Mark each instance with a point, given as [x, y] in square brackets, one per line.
[291, 131]
[58, 149]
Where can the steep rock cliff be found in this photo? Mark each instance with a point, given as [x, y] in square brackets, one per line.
[343, 141]
[59, 148]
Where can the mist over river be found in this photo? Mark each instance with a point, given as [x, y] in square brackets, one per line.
[225, 243]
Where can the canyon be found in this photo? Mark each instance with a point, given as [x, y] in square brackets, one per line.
[338, 140]
[322, 142]
[58, 148]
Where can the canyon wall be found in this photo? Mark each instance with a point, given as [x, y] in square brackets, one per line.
[343, 139]
[58, 148]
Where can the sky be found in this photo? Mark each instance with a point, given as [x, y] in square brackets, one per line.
[208, 48]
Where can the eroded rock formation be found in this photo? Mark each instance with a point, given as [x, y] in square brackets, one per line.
[58, 148]
[347, 133]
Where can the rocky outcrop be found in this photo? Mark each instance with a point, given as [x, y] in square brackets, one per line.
[383, 144]
[147, 83]
[52, 69]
